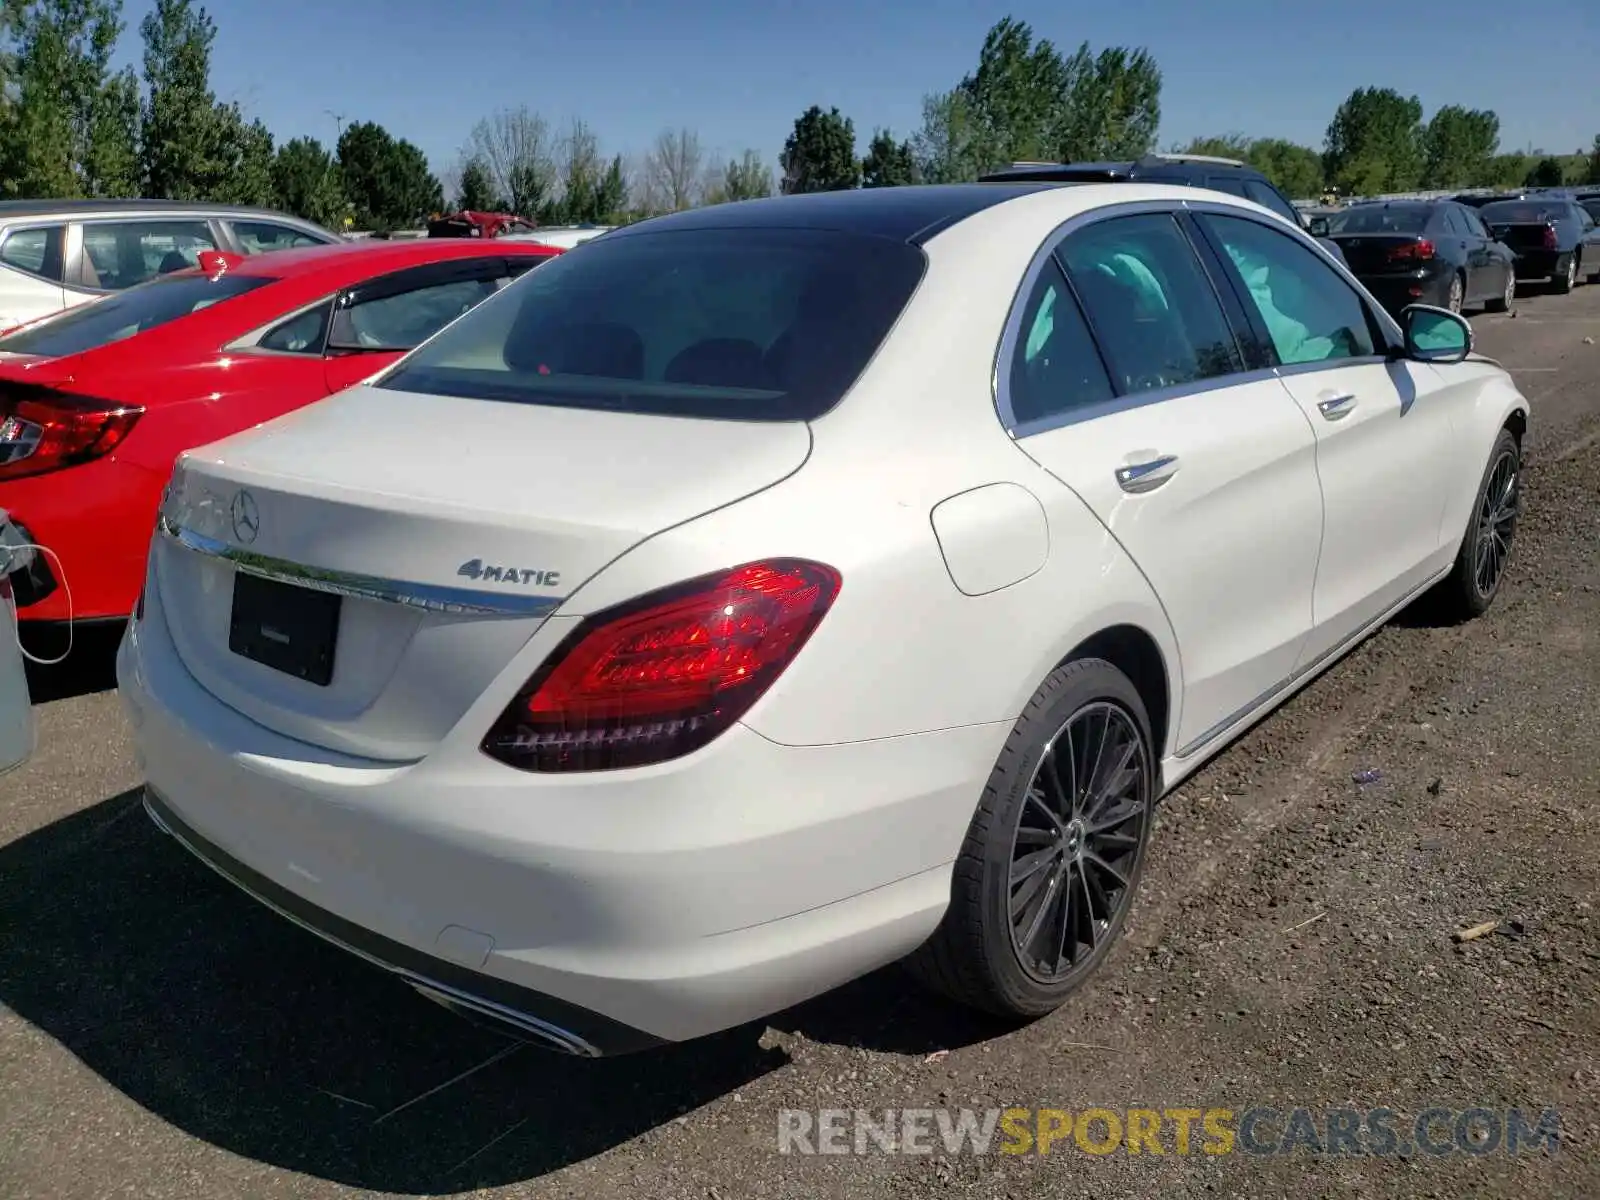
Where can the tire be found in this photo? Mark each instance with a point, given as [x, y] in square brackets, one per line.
[973, 956]
[1566, 277]
[1455, 299]
[1503, 302]
[1462, 595]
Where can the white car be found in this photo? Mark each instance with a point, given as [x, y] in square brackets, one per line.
[777, 591]
[563, 236]
[58, 254]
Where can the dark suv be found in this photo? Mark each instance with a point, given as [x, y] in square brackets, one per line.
[1195, 170]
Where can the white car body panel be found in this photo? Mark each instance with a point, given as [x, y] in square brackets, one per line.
[813, 840]
[25, 297]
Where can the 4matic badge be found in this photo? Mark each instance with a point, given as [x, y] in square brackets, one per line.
[526, 576]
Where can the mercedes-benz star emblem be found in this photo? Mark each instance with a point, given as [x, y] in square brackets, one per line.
[246, 519]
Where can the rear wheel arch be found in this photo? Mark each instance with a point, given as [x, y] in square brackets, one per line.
[1134, 652]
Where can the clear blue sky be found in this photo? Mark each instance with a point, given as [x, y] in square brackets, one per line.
[740, 72]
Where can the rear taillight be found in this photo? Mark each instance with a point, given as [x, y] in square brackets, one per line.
[1551, 242]
[663, 675]
[46, 432]
[1422, 248]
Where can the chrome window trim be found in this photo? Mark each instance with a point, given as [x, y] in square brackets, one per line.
[426, 596]
[1000, 380]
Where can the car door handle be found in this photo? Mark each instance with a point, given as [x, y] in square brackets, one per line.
[1336, 408]
[1147, 476]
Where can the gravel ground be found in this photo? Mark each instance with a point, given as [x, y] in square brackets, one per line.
[161, 1036]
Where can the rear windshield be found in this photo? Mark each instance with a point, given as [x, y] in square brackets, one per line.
[1380, 220]
[1513, 212]
[745, 324]
[124, 314]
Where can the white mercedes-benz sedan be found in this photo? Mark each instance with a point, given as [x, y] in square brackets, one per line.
[770, 592]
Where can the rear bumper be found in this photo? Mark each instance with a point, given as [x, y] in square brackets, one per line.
[1539, 264]
[97, 519]
[620, 909]
[1395, 291]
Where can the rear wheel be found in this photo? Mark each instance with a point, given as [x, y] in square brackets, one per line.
[1504, 301]
[1566, 277]
[1054, 853]
[1457, 294]
[1480, 567]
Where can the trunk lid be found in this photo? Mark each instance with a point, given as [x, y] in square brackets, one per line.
[452, 526]
[1372, 253]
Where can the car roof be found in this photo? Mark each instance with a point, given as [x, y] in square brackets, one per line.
[378, 256]
[912, 213]
[10, 209]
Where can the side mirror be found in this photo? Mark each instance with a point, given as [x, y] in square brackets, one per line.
[1435, 335]
[1317, 227]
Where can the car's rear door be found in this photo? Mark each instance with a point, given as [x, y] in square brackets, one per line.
[1201, 468]
[1385, 433]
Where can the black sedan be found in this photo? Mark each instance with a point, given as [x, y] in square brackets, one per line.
[1425, 252]
[1554, 238]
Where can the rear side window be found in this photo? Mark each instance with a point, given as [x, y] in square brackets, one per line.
[407, 319]
[138, 310]
[1150, 302]
[1231, 184]
[1269, 197]
[36, 251]
[1592, 207]
[120, 254]
[1055, 367]
[746, 324]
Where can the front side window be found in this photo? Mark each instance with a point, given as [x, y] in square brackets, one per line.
[404, 320]
[1310, 313]
[120, 254]
[1150, 302]
[135, 311]
[36, 251]
[1055, 367]
[740, 323]
[259, 237]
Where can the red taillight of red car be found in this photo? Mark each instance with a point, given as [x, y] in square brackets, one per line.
[1421, 249]
[1551, 241]
[47, 432]
[665, 674]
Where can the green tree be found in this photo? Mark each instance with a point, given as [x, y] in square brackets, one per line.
[948, 148]
[1111, 105]
[820, 154]
[239, 163]
[476, 190]
[1592, 167]
[612, 196]
[1458, 146]
[1375, 143]
[1015, 96]
[1509, 170]
[1295, 169]
[1225, 145]
[742, 178]
[888, 163]
[62, 130]
[180, 119]
[1549, 173]
[111, 161]
[387, 181]
[581, 174]
[306, 182]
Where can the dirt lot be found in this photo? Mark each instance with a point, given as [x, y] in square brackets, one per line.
[161, 1036]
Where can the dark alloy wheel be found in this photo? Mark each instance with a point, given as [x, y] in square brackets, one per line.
[1480, 567]
[1053, 855]
[1497, 525]
[1072, 850]
[1566, 277]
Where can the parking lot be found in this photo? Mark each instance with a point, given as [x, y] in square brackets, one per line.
[163, 1036]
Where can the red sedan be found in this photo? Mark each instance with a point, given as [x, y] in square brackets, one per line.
[96, 403]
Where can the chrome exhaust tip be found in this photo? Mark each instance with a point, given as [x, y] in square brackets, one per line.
[505, 1020]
